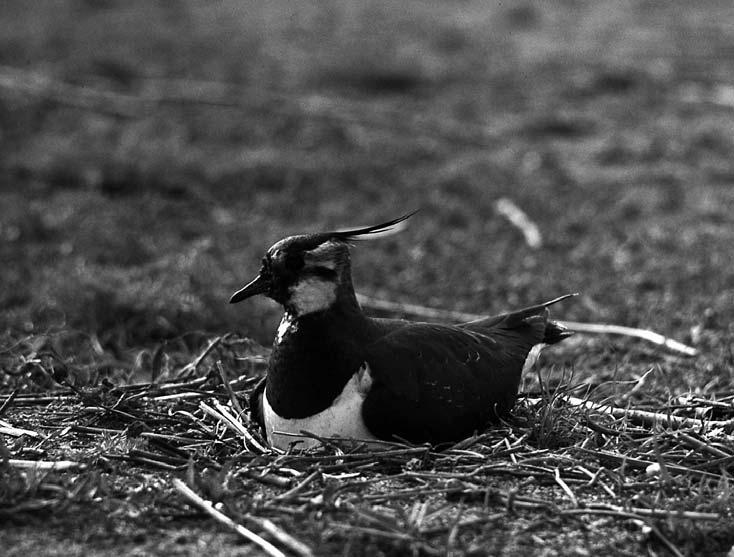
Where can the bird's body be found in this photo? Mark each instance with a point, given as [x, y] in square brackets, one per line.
[335, 372]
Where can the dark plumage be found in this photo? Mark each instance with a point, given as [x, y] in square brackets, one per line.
[340, 372]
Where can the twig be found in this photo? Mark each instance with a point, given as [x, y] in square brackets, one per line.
[645, 416]
[701, 446]
[7, 428]
[267, 479]
[519, 220]
[96, 430]
[152, 462]
[220, 517]
[228, 388]
[175, 438]
[8, 401]
[297, 489]
[282, 536]
[373, 455]
[644, 334]
[178, 396]
[222, 414]
[640, 464]
[389, 534]
[642, 512]
[149, 390]
[57, 465]
[588, 328]
[35, 400]
[565, 488]
[165, 459]
[191, 366]
[464, 523]
[227, 414]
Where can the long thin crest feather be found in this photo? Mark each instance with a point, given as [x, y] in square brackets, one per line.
[371, 232]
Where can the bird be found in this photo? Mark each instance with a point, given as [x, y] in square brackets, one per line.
[335, 372]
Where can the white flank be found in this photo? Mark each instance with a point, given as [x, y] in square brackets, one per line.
[342, 419]
[287, 325]
[532, 357]
[311, 295]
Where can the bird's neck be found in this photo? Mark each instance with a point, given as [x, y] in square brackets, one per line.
[314, 355]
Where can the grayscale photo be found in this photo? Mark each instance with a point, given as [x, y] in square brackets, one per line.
[366, 278]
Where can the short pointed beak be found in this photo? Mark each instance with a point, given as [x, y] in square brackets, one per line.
[258, 286]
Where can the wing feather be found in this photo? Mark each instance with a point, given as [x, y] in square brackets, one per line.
[442, 382]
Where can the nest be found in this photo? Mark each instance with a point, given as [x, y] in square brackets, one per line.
[566, 470]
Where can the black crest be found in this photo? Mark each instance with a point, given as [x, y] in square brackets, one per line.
[368, 232]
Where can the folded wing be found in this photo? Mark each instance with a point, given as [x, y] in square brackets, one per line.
[442, 382]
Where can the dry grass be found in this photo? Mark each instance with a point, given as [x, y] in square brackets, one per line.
[556, 478]
[150, 152]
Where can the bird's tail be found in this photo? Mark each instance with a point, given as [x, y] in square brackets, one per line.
[534, 316]
[555, 332]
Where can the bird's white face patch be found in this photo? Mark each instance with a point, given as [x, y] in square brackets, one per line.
[312, 294]
[342, 419]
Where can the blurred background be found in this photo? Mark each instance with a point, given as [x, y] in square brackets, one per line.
[150, 151]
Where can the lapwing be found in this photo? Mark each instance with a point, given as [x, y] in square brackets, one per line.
[336, 372]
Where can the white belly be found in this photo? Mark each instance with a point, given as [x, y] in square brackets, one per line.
[342, 419]
[532, 358]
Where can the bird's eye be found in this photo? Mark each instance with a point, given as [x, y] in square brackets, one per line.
[293, 262]
[265, 266]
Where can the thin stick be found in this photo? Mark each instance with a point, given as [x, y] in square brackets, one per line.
[8, 401]
[22, 400]
[178, 396]
[282, 536]
[464, 523]
[191, 366]
[297, 489]
[223, 519]
[642, 512]
[56, 465]
[519, 220]
[400, 536]
[640, 464]
[239, 426]
[7, 428]
[228, 388]
[644, 334]
[153, 462]
[223, 414]
[587, 328]
[645, 416]
[565, 488]
[700, 445]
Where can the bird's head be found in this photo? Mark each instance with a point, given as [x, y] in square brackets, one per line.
[311, 272]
